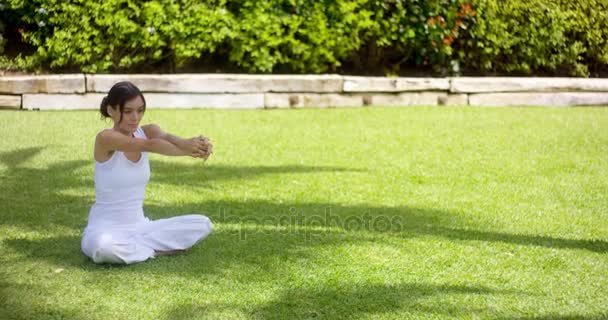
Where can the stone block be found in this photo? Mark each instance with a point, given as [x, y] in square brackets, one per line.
[44, 101]
[406, 99]
[383, 84]
[506, 84]
[219, 83]
[10, 102]
[65, 83]
[299, 100]
[216, 101]
[550, 99]
[153, 100]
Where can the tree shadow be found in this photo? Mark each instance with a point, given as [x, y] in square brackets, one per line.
[598, 246]
[251, 238]
[16, 305]
[225, 249]
[399, 221]
[24, 200]
[197, 174]
[13, 159]
[553, 316]
[34, 197]
[248, 231]
[255, 234]
[261, 254]
[61, 251]
[37, 198]
[351, 301]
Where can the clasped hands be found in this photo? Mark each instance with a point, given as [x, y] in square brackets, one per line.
[199, 147]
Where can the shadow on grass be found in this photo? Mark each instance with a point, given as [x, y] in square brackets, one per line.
[253, 260]
[253, 238]
[201, 175]
[22, 301]
[34, 198]
[225, 249]
[350, 301]
[13, 159]
[252, 257]
[559, 317]
[297, 218]
[248, 233]
[37, 198]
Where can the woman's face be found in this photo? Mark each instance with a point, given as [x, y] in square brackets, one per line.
[132, 114]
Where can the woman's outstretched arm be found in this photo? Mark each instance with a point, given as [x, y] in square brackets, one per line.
[110, 140]
[197, 146]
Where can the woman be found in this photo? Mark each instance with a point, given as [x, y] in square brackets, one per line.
[117, 230]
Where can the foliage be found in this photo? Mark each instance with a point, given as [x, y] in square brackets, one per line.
[306, 36]
[517, 36]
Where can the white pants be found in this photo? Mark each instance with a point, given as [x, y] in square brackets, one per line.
[138, 242]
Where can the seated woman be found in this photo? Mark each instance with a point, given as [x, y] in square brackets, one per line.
[117, 230]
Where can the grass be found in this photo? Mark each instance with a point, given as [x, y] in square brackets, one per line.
[371, 213]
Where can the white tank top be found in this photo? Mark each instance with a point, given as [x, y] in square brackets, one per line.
[120, 186]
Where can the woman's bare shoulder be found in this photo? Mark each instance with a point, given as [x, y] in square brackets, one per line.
[101, 154]
[103, 133]
[152, 130]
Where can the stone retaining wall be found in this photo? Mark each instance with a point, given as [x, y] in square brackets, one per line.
[236, 91]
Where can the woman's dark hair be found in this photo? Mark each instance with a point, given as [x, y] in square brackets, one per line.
[119, 94]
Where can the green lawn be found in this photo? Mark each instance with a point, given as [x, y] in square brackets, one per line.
[374, 213]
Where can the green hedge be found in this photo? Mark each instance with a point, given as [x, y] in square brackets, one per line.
[307, 36]
[539, 35]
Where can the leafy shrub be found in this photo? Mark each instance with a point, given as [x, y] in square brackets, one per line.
[538, 35]
[419, 32]
[121, 34]
[308, 36]
[304, 35]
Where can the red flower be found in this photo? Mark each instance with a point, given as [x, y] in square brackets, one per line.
[466, 10]
[441, 21]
